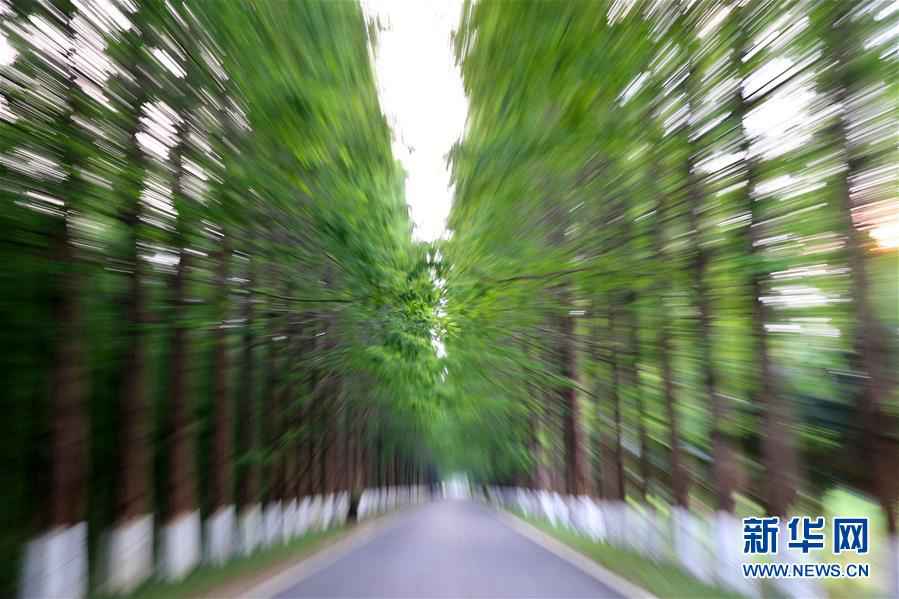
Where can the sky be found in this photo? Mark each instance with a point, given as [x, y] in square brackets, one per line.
[422, 96]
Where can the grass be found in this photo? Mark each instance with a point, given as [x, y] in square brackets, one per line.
[206, 579]
[660, 579]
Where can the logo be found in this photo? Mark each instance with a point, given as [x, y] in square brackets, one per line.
[850, 534]
[760, 535]
[804, 535]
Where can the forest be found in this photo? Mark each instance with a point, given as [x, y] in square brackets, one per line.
[670, 277]
[673, 252]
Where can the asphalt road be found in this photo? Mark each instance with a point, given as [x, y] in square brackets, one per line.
[450, 549]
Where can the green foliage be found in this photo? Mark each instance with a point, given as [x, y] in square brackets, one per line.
[590, 126]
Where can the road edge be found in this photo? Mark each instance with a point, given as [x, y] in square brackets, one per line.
[319, 560]
[574, 557]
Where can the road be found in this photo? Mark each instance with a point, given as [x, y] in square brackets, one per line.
[450, 549]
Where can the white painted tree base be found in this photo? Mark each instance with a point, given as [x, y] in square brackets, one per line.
[220, 529]
[891, 567]
[327, 513]
[658, 535]
[362, 509]
[128, 555]
[179, 546]
[341, 508]
[641, 533]
[594, 525]
[544, 505]
[796, 588]
[274, 522]
[304, 516]
[613, 514]
[728, 535]
[688, 544]
[337, 511]
[55, 564]
[289, 521]
[250, 527]
[522, 501]
[374, 498]
[315, 513]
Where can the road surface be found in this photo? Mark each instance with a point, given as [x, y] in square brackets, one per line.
[453, 550]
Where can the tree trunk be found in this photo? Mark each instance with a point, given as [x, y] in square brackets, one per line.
[872, 354]
[221, 451]
[292, 415]
[611, 453]
[132, 497]
[538, 469]
[364, 469]
[574, 454]
[633, 384]
[67, 391]
[134, 488]
[778, 452]
[721, 451]
[248, 474]
[69, 445]
[182, 494]
[273, 408]
[680, 481]
[378, 461]
[699, 274]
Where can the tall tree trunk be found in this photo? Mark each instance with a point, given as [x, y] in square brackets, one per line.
[311, 417]
[349, 452]
[597, 441]
[553, 416]
[633, 385]
[273, 407]
[533, 408]
[872, 359]
[334, 462]
[680, 481]
[322, 455]
[611, 452]
[221, 449]
[378, 461]
[67, 391]
[778, 452]
[133, 497]
[356, 451]
[363, 479]
[721, 451]
[182, 492]
[699, 275]
[292, 414]
[248, 474]
[317, 442]
[538, 469]
[574, 456]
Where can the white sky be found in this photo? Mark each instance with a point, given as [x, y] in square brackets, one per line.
[422, 96]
